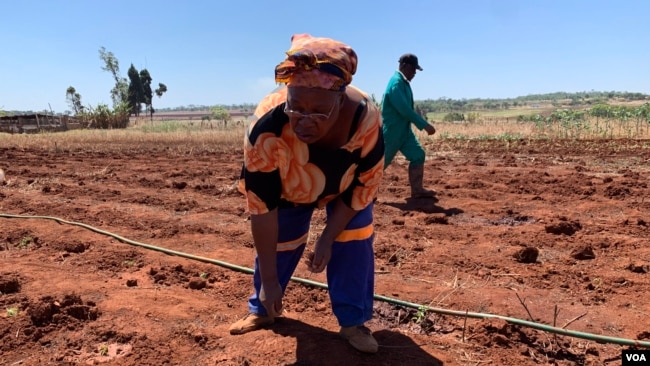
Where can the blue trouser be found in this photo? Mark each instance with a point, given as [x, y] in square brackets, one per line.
[405, 142]
[350, 272]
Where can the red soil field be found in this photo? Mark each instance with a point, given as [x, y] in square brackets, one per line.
[551, 232]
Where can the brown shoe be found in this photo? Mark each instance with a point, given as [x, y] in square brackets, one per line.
[360, 338]
[250, 323]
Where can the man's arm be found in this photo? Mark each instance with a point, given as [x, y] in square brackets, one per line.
[400, 101]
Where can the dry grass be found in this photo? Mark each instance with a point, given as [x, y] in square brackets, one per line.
[186, 137]
[504, 129]
[486, 130]
[184, 140]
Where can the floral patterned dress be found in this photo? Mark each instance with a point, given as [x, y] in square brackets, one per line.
[282, 171]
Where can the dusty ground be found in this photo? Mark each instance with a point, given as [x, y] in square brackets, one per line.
[556, 232]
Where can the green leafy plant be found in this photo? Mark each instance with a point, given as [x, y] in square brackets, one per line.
[203, 275]
[420, 315]
[454, 117]
[24, 242]
[12, 312]
[128, 263]
[472, 117]
[103, 350]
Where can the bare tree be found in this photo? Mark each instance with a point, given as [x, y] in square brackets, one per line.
[120, 91]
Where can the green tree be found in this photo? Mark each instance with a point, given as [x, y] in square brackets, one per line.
[453, 117]
[74, 100]
[145, 79]
[136, 91]
[472, 117]
[162, 89]
[220, 114]
[103, 117]
[120, 91]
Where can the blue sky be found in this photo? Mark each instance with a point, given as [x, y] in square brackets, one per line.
[224, 52]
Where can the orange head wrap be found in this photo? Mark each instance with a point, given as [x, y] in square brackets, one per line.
[315, 62]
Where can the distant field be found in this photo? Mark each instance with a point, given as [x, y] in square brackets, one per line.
[490, 124]
[544, 108]
[191, 115]
[514, 112]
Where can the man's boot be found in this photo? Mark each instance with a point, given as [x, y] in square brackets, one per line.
[416, 175]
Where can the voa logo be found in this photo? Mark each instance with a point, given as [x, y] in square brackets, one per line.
[635, 357]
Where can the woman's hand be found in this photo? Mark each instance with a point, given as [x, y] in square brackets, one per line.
[338, 219]
[271, 298]
[318, 260]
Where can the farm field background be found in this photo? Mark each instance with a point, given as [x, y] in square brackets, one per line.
[524, 225]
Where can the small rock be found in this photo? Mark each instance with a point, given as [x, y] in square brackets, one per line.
[527, 255]
[197, 283]
[441, 220]
[159, 277]
[74, 247]
[565, 227]
[501, 340]
[643, 335]
[131, 283]
[583, 253]
[179, 185]
[639, 267]
[9, 284]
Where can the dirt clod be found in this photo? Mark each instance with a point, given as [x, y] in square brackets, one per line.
[527, 255]
[75, 247]
[639, 267]
[564, 227]
[9, 283]
[197, 283]
[583, 253]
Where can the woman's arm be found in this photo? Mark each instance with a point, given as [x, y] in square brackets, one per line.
[336, 223]
[265, 235]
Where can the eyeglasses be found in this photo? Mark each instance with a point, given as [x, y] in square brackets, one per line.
[316, 117]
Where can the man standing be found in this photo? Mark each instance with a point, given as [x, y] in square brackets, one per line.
[398, 112]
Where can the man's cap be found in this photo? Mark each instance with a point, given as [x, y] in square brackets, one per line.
[411, 59]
